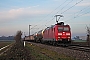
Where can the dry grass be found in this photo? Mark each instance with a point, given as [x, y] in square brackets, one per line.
[17, 51]
[4, 43]
[45, 54]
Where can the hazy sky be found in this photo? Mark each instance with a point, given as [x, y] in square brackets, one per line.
[19, 14]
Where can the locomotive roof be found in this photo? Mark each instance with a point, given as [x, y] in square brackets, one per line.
[61, 24]
[50, 27]
[54, 25]
[58, 24]
[40, 31]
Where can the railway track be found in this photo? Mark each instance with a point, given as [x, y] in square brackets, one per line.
[76, 47]
[5, 49]
[72, 46]
[80, 48]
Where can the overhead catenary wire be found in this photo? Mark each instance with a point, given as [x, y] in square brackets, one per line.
[61, 9]
[83, 14]
[64, 7]
[78, 16]
[72, 7]
[69, 9]
[50, 13]
[78, 13]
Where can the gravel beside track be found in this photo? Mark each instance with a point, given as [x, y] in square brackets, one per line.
[79, 55]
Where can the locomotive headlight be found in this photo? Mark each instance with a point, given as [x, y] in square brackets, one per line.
[63, 32]
[68, 37]
[67, 33]
[58, 37]
[59, 33]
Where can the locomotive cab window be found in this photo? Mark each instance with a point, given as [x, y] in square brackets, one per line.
[63, 29]
[60, 29]
[66, 29]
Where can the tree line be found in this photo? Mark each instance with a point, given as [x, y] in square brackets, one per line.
[7, 38]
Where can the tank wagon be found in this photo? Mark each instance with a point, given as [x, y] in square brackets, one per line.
[38, 36]
[29, 38]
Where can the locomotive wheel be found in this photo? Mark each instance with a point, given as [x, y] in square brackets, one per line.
[55, 43]
[42, 41]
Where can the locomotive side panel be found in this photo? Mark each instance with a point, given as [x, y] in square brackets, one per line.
[48, 34]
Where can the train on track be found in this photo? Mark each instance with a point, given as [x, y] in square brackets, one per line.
[56, 34]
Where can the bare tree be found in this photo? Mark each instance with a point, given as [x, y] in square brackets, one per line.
[18, 37]
[88, 30]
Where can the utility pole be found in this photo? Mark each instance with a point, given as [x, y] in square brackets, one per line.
[29, 30]
[58, 18]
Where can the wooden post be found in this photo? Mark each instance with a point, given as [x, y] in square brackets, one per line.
[24, 43]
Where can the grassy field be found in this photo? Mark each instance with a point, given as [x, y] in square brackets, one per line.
[16, 52]
[4, 43]
[34, 52]
[44, 54]
[79, 40]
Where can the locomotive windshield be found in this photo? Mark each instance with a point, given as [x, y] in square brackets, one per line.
[60, 29]
[63, 29]
[66, 29]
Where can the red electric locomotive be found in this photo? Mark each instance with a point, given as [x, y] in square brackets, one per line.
[58, 33]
